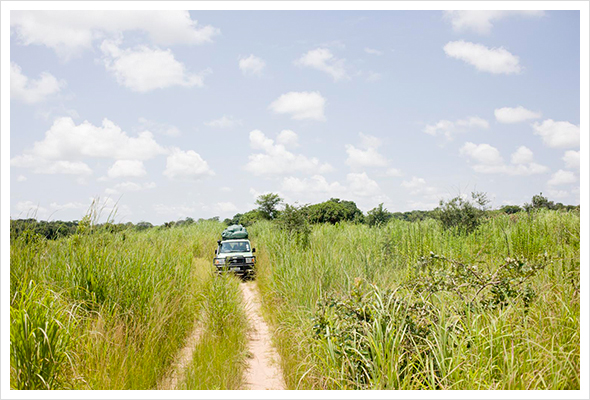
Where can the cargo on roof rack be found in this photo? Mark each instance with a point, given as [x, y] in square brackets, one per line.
[234, 232]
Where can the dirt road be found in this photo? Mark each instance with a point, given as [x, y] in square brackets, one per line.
[182, 361]
[263, 369]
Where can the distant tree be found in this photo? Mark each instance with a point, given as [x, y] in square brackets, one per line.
[539, 201]
[462, 214]
[333, 211]
[294, 221]
[508, 209]
[378, 216]
[248, 218]
[143, 225]
[267, 205]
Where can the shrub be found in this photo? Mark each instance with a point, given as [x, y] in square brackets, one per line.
[461, 214]
[378, 216]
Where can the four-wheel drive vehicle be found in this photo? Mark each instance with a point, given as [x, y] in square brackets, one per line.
[235, 255]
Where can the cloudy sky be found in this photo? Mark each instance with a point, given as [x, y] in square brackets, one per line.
[196, 113]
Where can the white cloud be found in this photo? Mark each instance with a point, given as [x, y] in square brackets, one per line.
[507, 115]
[144, 69]
[301, 105]
[67, 141]
[523, 155]
[558, 133]
[423, 195]
[482, 153]
[480, 21]
[174, 211]
[367, 155]
[449, 128]
[129, 187]
[322, 59]
[489, 161]
[21, 178]
[252, 65]
[557, 194]
[32, 91]
[69, 33]
[359, 184]
[393, 172]
[495, 61]
[572, 159]
[368, 50]
[562, 177]
[127, 168]
[316, 185]
[159, 128]
[225, 189]
[224, 122]
[373, 76]
[225, 207]
[30, 209]
[288, 138]
[277, 160]
[186, 164]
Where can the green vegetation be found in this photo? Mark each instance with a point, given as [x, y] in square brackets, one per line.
[460, 297]
[219, 358]
[412, 305]
[103, 310]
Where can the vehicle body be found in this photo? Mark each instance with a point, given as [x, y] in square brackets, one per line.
[235, 255]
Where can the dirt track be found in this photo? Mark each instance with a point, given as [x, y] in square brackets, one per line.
[263, 369]
[183, 359]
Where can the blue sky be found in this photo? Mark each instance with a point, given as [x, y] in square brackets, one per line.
[194, 114]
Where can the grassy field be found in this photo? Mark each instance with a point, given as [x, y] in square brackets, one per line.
[408, 305]
[413, 306]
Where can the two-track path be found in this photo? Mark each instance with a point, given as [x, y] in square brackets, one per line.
[263, 372]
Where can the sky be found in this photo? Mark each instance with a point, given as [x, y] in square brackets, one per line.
[172, 114]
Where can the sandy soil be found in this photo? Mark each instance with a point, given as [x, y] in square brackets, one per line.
[183, 359]
[263, 371]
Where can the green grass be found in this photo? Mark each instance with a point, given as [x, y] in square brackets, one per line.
[219, 357]
[519, 330]
[112, 310]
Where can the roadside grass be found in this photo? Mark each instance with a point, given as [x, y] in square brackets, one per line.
[219, 359]
[413, 306]
[102, 310]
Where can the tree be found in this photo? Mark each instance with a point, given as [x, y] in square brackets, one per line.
[293, 220]
[267, 205]
[539, 201]
[510, 209]
[378, 216]
[333, 211]
[462, 214]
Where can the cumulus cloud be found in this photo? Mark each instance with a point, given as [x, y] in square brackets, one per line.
[489, 161]
[359, 184]
[129, 187]
[300, 105]
[373, 76]
[21, 178]
[450, 128]
[225, 122]
[572, 159]
[424, 195]
[159, 128]
[562, 177]
[143, 69]
[31, 91]
[323, 60]
[375, 52]
[275, 159]
[561, 134]
[480, 21]
[69, 33]
[316, 185]
[65, 141]
[252, 65]
[127, 168]
[507, 115]
[366, 155]
[288, 138]
[186, 164]
[495, 61]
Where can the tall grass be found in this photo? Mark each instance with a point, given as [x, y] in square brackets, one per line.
[219, 357]
[520, 330]
[103, 310]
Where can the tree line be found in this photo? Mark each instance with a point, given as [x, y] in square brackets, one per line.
[462, 213]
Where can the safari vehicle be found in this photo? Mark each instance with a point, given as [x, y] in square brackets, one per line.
[234, 252]
[235, 255]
